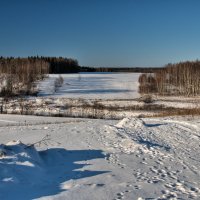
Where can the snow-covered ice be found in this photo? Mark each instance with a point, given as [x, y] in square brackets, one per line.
[134, 158]
[92, 86]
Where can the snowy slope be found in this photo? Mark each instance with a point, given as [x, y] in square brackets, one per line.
[155, 158]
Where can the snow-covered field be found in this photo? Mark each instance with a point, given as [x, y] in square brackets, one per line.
[94, 95]
[87, 159]
[92, 86]
[80, 92]
[133, 158]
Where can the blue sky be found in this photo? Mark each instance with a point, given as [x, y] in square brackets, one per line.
[102, 32]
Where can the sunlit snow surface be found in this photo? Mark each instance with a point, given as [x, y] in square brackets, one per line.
[92, 86]
[93, 159]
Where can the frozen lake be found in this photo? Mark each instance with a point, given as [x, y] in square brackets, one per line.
[92, 86]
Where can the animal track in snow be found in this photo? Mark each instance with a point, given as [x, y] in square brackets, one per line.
[114, 159]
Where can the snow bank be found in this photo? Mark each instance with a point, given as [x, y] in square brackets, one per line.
[26, 173]
[18, 157]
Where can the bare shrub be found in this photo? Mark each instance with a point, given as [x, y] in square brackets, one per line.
[58, 83]
[147, 99]
[147, 84]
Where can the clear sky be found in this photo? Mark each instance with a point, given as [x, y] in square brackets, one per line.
[102, 32]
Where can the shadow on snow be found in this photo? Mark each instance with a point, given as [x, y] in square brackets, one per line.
[57, 166]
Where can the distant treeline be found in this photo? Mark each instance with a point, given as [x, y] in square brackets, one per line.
[174, 79]
[56, 65]
[60, 65]
[17, 75]
[120, 69]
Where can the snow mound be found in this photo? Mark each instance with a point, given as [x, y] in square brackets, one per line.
[135, 134]
[122, 123]
[26, 173]
[18, 157]
[130, 122]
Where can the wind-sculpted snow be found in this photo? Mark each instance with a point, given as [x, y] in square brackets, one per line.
[85, 159]
[31, 174]
[141, 134]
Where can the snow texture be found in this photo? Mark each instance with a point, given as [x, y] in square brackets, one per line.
[92, 86]
[134, 158]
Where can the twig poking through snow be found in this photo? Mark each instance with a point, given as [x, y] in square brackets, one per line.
[43, 140]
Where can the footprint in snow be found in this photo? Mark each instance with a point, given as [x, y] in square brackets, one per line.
[137, 187]
[120, 195]
[93, 185]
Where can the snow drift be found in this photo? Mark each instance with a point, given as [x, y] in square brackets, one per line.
[26, 173]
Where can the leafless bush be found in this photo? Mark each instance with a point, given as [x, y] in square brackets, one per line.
[146, 99]
[58, 82]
